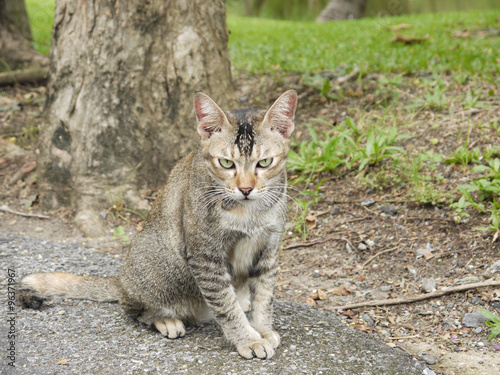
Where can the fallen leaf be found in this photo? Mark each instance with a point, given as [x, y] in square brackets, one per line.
[463, 34]
[351, 314]
[428, 255]
[401, 26]
[321, 294]
[407, 39]
[362, 277]
[311, 302]
[139, 227]
[311, 222]
[342, 291]
[62, 362]
[362, 328]
[12, 222]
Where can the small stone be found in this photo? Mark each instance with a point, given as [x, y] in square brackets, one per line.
[478, 330]
[368, 202]
[362, 246]
[429, 285]
[62, 312]
[474, 319]
[429, 359]
[316, 274]
[385, 288]
[335, 210]
[103, 214]
[389, 210]
[38, 229]
[428, 372]
[495, 266]
[370, 243]
[367, 318]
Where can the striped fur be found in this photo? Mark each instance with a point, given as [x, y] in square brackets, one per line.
[210, 244]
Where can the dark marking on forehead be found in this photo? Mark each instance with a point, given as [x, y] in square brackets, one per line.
[245, 121]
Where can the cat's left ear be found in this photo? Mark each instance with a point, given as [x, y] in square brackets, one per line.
[280, 117]
[211, 118]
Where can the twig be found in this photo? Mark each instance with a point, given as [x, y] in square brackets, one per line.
[7, 209]
[379, 253]
[402, 337]
[307, 244]
[357, 219]
[399, 301]
[428, 218]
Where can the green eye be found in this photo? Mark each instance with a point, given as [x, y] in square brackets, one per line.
[228, 164]
[264, 163]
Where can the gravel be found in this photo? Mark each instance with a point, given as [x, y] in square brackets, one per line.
[85, 337]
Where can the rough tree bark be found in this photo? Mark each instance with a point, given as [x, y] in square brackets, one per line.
[121, 83]
[342, 10]
[15, 48]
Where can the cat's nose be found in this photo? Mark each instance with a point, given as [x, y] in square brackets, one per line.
[245, 190]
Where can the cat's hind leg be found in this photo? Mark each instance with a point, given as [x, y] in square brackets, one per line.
[170, 328]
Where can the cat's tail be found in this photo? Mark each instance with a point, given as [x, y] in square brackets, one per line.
[33, 288]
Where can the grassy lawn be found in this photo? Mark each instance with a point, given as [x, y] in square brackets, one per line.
[41, 16]
[259, 45]
[264, 45]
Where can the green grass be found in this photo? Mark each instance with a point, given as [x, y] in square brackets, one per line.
[259, 45]
[262, 45]
[41, 15]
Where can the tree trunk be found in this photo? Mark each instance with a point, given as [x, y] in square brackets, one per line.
[15, 48]
[342, 10]
[119, 109]
[16, 11]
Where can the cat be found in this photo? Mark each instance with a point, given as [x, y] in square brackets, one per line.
[210, 244]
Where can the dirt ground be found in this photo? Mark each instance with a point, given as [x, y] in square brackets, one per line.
[366, 242]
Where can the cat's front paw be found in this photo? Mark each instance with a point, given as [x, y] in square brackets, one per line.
[272, 337]
[256, 349]
[171, 328]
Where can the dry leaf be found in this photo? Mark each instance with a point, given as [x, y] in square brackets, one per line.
[349, 313]
[428, 255]
[311, 222]
[406, 39]
[362, 277]
[362, 328]
[461, 34]
[12, 222]
[342, 291]
[321, 294]
[401, 26]
[311, 302]
[62, 362]
[139, 227]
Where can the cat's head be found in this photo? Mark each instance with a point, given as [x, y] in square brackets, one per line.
[246, 150]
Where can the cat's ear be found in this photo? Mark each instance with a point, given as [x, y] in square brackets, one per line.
[280, 117]
[211, 118]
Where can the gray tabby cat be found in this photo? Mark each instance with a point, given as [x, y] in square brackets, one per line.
[210, 244]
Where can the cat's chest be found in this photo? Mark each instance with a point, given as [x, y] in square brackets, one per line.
[244, 253]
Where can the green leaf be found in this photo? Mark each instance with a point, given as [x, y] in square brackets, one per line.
[490, 316]
[494, 332]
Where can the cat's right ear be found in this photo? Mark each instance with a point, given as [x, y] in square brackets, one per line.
[210, 117]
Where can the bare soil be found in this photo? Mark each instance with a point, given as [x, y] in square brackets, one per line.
[337, 263]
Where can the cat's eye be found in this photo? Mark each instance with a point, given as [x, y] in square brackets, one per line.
[228, 164]
[264, 163]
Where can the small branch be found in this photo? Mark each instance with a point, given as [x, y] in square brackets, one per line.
[7, 209]
[312, 243]
[368, 261]
[399, 301]
[428, 218]
[22, 76]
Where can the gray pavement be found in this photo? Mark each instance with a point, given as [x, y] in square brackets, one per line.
[85, 337]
